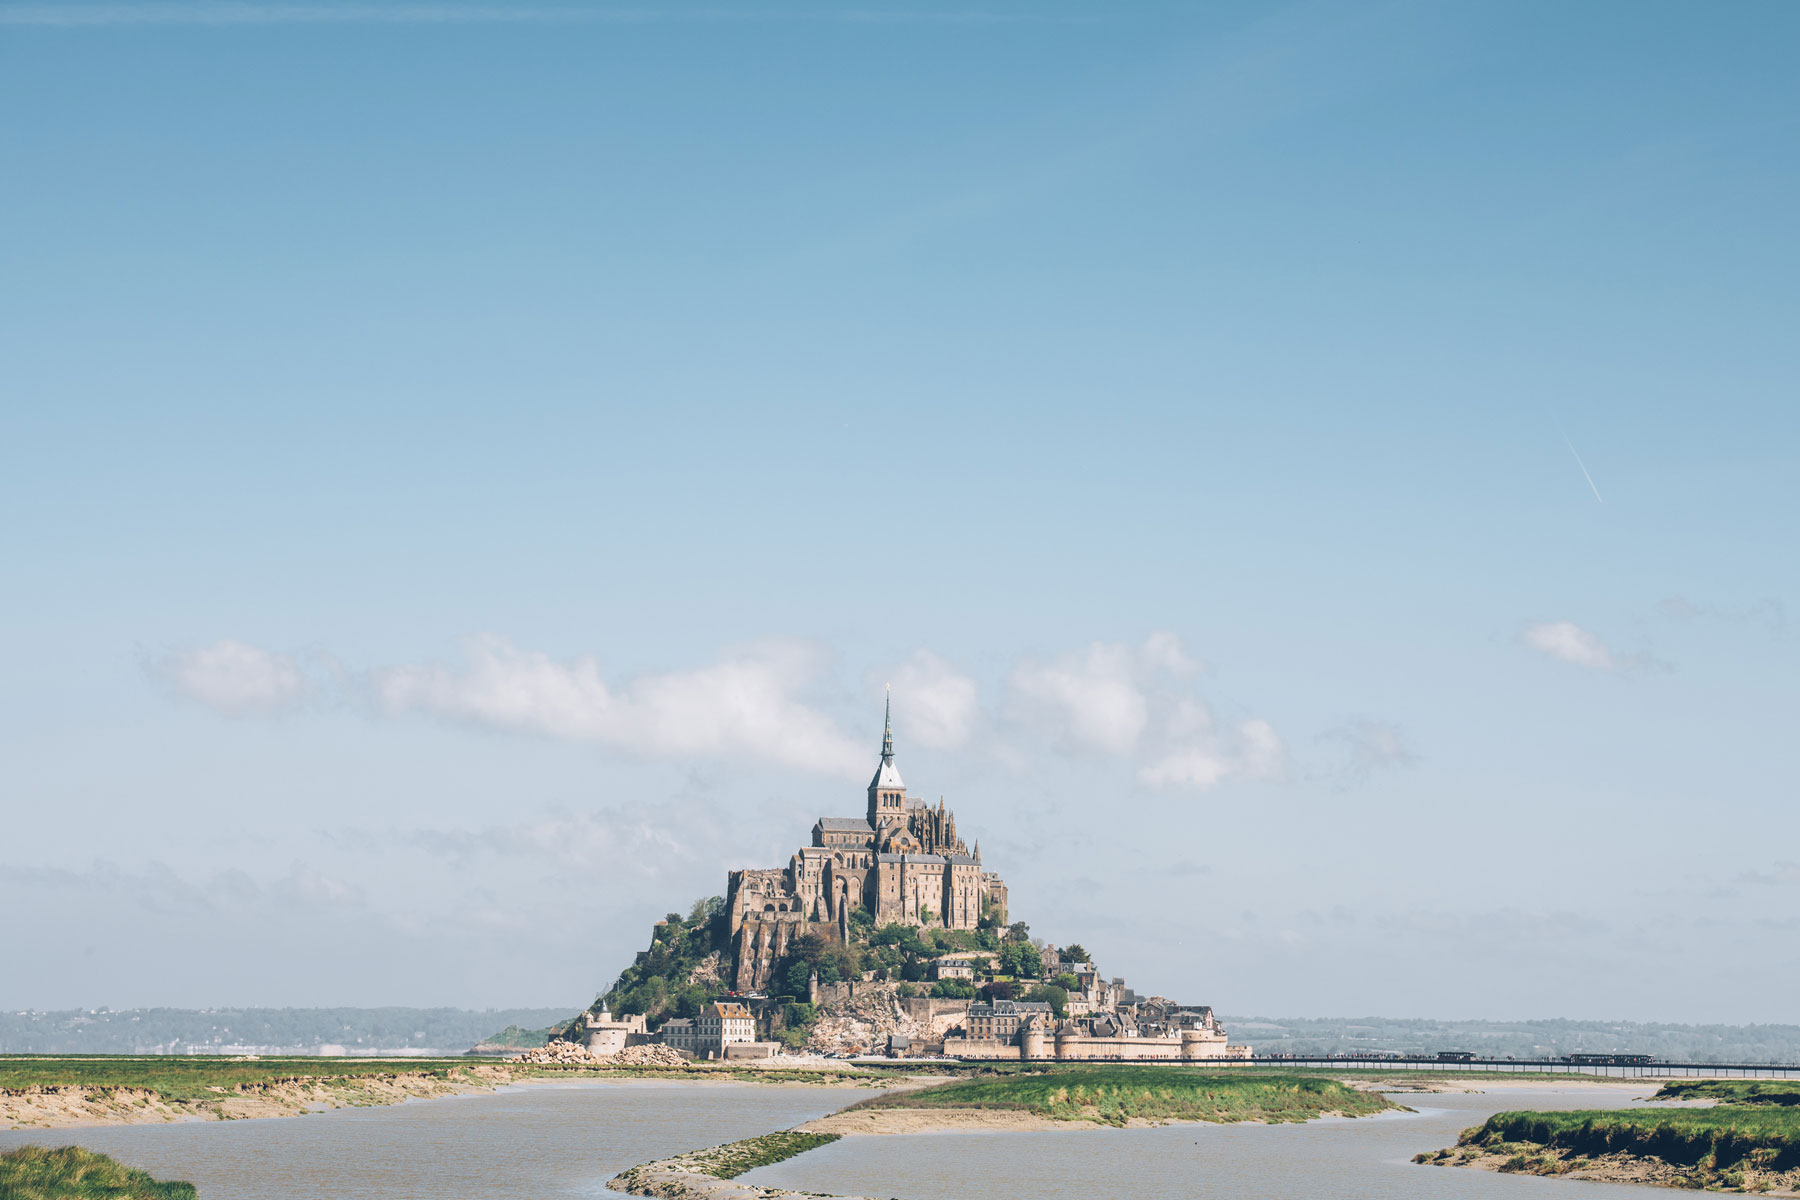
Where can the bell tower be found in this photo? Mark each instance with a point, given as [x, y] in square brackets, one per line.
[887, 794]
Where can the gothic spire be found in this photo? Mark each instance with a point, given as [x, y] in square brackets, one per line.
[887, 728]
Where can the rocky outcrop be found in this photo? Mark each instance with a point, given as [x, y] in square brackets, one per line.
[861, 1022]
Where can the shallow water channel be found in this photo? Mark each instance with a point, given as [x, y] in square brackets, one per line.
[1332, 1158]
[544, 1140]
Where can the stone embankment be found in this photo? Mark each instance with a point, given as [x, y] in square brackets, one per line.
[711, 1174]
[573, 1054]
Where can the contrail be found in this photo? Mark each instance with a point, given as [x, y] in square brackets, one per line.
[1578, 462]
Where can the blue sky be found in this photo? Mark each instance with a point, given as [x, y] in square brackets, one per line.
[471, 470]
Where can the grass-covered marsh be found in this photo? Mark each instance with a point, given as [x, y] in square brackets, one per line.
[1114, 1095]
[1783, 1093]
[71, 1173]
[1733, 1147]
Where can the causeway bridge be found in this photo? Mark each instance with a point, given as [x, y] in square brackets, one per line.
[1554, 1066]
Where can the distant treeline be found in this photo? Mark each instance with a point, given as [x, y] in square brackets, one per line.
[294, 1030]
[1520, 1039]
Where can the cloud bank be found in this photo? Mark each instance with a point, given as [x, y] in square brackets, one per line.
[765, 702]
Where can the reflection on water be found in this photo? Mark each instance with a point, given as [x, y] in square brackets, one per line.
[567, 1139]
[1336, 1159]
[531, 1142]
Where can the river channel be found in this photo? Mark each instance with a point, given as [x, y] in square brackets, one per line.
[546, 1139]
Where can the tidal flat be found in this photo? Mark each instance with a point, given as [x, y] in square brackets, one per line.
[567, 1137]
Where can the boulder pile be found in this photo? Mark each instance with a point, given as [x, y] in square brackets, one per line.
[574, 1054]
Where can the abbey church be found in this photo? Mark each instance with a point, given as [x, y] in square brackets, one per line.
[902, 863]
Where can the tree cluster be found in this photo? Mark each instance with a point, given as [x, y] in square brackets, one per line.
[656, 983]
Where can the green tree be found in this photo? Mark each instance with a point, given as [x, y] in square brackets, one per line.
[1067, 983]
[1075, 954]
[793, 979]
[703, 911]
[1031, 963]
[1055, 997]
[953, 989]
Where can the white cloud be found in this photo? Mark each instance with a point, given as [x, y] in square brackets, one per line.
[1126, 700]
[745, 704]
[1571, 643]
[1195, 769]
[1094, 698]
[1261, 754]
[935, 704]
[1164, 651]
[1254, 752]
[235, 678]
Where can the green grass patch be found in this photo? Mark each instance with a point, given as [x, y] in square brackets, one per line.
[1784, 1093]
[1766, 1137]
[71, 1173]
[1117, 1094]
[735, 1158]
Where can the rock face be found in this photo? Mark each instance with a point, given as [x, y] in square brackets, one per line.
[573, 1054]
[862, 1022]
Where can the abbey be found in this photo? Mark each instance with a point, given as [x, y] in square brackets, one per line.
[902, 863]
